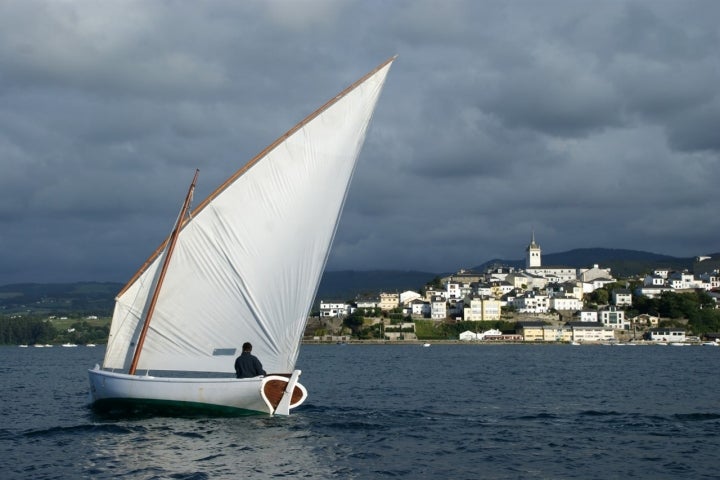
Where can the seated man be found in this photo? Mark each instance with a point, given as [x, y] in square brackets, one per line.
[247, 365]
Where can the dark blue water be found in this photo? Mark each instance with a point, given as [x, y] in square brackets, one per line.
[453, 411]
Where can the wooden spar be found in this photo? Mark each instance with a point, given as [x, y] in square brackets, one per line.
[171, 246]
[255, 160]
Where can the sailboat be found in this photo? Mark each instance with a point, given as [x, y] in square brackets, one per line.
[243, 266]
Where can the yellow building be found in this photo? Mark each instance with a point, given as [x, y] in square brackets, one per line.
[557, 333]
[388, 301]
[532, 331]
[482, 308]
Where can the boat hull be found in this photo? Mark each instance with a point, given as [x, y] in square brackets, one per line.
[259, 395]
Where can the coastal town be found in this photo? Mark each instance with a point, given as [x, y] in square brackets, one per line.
[540, 303]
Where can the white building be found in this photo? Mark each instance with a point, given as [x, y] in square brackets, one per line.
[492, 334]
[328, 309]
[712, 280]
[468, 336]
[532, 302]
[565, 303]
[566, 289]
[408, 296]
[683, 280]
[367, 304]
[654, 280]
[524, 281]
[587, 275]
[501, 288]
[622, 297]
[613, 318]
[438, 308]
[600, 283]
[653, 291]
[453, 290]
[670, 335]
[591, 332]
[498, 273]
[420, 308]
[533, 254]
[432, 292]
[661, 272]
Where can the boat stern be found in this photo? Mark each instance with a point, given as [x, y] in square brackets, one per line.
[283, 393]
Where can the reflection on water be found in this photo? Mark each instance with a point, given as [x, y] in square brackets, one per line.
[250, 447]
[49, 431]
[166, 447]
[388, 411]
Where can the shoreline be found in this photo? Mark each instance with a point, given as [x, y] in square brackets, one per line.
[483, 343]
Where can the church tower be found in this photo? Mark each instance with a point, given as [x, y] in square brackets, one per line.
[532, 255]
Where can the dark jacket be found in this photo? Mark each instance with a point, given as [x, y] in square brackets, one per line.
[247, 366]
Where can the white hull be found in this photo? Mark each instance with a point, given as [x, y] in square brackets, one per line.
[248, 395]
[208, 288]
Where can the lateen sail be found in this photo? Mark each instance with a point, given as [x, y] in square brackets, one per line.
[247, 265]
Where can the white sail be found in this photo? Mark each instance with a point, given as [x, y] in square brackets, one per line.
[247, 265]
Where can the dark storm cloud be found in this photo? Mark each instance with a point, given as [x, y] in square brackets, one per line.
[591, 123]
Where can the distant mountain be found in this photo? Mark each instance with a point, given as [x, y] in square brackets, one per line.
[98, 298]
[623, 263]
[347, 284]
[90, 298]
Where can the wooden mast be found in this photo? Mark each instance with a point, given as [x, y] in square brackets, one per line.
[171, 246]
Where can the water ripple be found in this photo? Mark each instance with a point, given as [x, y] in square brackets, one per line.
[387, 412]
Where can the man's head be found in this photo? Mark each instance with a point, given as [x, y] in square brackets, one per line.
[247, 347]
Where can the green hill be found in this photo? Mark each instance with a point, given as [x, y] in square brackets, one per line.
[347, 284]
[85, 298]
[623, 263]
[97, 298]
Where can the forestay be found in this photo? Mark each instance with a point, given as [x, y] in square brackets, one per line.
[248, 263]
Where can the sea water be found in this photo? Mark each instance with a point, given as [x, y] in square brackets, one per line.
[390, 411]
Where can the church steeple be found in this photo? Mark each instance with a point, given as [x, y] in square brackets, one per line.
[533, 254]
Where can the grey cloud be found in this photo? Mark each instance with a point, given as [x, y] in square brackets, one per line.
[591, 123]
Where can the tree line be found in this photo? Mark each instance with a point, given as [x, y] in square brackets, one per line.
[29, 330]
[697, 307]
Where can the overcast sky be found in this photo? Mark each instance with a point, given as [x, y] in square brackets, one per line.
[593, 124]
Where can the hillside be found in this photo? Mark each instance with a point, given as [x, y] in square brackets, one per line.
[347, 284]
[86, 298]
[96, 298]
[623, 263]
[93, 298]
